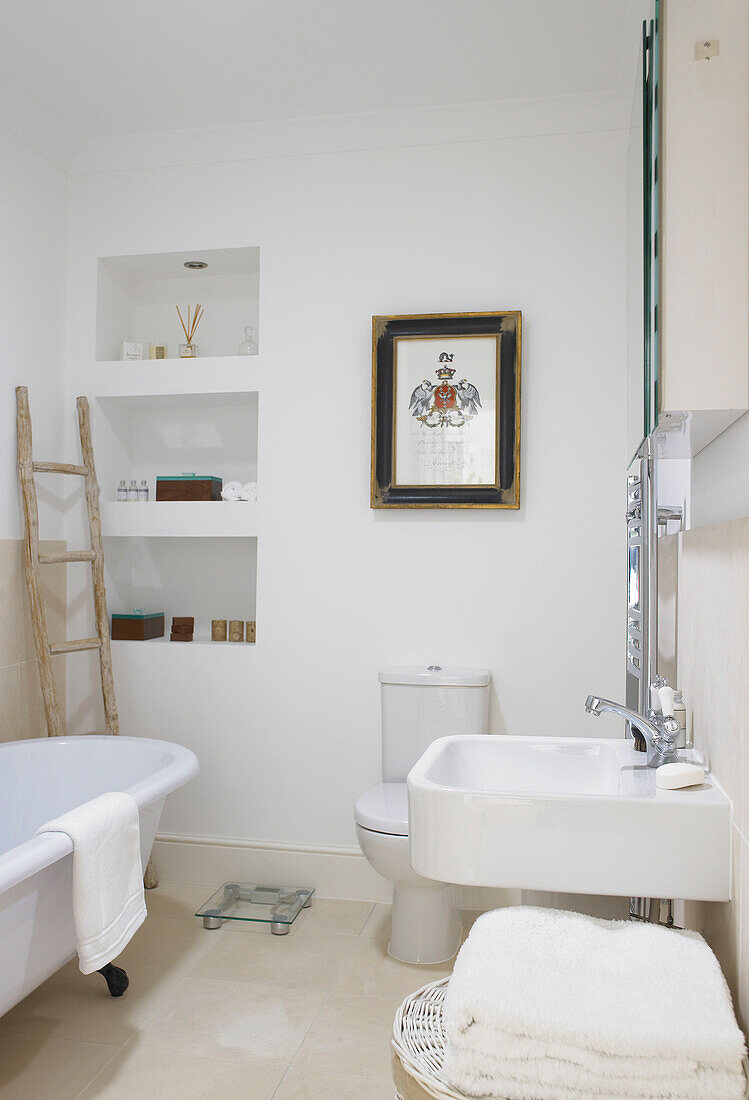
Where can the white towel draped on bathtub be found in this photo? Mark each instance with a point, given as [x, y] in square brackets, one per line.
[555, 1005]
[108, 899]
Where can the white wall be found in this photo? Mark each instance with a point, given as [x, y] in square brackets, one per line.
[720, 477]
[713, 635]
[33, 223]
[704, 232]
[705, 270]
[288, 731]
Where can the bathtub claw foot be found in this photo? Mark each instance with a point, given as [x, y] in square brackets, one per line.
[116, 979]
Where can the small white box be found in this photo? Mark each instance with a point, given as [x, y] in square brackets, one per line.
[131, 351]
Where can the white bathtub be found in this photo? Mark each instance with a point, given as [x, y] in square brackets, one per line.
[39, 780]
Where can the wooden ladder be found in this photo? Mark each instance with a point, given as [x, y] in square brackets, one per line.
[46, 650]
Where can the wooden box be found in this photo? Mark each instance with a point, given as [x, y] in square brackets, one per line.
[138, 626]
[188, 487]
[183, 627]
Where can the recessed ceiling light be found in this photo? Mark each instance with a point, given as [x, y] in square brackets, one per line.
[196, 265]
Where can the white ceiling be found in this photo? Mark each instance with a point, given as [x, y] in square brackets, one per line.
[102, 68]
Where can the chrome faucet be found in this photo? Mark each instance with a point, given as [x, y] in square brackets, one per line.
[660, 733]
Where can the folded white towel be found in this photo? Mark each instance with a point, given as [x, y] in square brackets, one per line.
[544, 1082]
[545, 1003]
[108, 899]
[549, 1078]
[231, 490]
[248, 491]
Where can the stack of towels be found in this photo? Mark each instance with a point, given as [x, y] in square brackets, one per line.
[550, 1005]
[235, 490]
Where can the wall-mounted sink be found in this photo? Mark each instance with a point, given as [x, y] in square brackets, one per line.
[578, 815]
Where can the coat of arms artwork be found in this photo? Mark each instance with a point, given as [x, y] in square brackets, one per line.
[445, 404]
[446, 411]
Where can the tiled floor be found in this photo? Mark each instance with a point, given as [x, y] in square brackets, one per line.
[231, 1013]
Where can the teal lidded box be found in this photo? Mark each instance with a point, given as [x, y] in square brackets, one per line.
[189, 487]
[137, 625]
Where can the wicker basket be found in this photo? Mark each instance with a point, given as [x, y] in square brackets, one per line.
[419, 1047]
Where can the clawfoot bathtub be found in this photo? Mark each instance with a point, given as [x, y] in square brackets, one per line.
[39, 780]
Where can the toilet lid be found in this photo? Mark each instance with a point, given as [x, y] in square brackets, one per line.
[384, 809]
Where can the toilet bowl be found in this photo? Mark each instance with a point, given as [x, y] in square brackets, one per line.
[426, 923]
[418, 706]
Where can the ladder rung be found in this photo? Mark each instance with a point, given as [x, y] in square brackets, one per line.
[59, 468]
[74, 647]
[69, 555]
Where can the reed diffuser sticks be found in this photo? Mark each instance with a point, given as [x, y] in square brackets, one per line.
[189, 350]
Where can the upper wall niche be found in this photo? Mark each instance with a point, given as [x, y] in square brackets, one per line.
[137, 298]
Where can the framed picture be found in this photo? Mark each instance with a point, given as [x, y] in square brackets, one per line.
[446, 410]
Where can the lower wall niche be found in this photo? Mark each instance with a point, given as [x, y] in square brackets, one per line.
[206, 578]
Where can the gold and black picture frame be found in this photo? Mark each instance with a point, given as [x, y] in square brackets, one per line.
[446, 410]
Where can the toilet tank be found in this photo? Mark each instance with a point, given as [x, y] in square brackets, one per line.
[421, 704]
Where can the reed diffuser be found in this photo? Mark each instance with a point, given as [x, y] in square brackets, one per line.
[190, 349]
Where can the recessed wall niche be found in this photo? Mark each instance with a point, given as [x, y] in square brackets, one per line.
[141, 436]
[207, 578]
[137, 296]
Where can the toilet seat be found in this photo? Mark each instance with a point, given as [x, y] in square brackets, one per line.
[384, 809]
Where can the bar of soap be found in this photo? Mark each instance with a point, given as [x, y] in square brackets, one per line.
[670, 777]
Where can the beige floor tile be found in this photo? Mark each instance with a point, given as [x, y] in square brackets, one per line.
[71, 1005]
[174, 946]
[262, 928]
[305, 1085]
[345, 918]
[54, 588]
[378, 925]
[350, 1035]
[300, 962]
[32, 721]
[136, 1074]
[232, 1021]
[174, 902]
[11, 579]
[9, 679]
[38, 1068]
[371, 972]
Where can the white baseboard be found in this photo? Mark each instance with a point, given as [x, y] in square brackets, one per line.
[334, 872]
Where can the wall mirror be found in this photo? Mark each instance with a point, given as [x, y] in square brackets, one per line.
[642, 236]
[687, 305]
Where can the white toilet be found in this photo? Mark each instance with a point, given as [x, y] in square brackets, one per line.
[418, 706]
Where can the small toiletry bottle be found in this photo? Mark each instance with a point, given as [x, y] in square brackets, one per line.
[143, 492]
[680, 714]
[132, 491]
[122, 491]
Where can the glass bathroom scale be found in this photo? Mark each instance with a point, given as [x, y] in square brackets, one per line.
[278, 906]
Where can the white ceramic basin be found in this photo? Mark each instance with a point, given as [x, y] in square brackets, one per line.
[577, 815]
